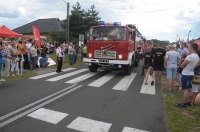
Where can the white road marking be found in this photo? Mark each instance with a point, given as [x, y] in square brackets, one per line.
[50, 74]
[124, 83]
[128, 129]
[101, 81]
[48, 115]
[81, 78]
[88, 125]
[34, 103]
[66, 75]
[38, 106]
[148, 89]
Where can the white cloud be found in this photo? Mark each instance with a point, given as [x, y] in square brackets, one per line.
[155, 19]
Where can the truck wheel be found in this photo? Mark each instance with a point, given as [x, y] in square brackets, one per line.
[93, 67]
[128, 69]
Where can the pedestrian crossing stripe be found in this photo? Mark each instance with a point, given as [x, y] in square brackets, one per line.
[125, 82]
[79, 124]
[89, 125]
[122, 85]
[66, 75]
[101, 81]
[50, 74]
[148, 89]
[129, 129]
[82, 78]
[48, 115]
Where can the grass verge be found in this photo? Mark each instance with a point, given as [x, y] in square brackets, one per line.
[32, 73]
[179, 119]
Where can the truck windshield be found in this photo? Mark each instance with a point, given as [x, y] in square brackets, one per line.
[108, 33]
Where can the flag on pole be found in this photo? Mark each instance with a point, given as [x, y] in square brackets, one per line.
[36, 34]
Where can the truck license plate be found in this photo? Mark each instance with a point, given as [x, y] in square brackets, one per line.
[103, 61]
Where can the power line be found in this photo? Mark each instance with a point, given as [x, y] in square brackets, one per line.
[158, 10]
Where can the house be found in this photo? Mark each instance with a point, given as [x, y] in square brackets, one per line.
[45, 26]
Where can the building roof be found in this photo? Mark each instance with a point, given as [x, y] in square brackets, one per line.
[44, 26]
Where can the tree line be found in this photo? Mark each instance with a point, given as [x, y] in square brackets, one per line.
[79, 22]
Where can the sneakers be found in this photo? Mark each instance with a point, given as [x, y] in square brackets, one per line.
[179, 90]
[170, 91]
[152, 83]
[145, 83]
[184, 104]
[2, 80]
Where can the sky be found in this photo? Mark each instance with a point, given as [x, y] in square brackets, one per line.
[155, 19]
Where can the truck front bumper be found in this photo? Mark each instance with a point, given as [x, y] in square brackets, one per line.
[107, 62]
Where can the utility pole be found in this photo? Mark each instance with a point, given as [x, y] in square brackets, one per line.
[67, 22]
[189, 36]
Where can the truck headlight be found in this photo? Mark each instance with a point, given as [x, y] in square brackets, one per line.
[120, 56]
[90, 55]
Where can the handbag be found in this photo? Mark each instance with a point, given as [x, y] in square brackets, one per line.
[196, 80]
[17, 59]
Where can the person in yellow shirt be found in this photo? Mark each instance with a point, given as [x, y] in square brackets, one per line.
[84, 50]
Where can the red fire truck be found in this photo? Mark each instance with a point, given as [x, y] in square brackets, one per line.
[112, 45]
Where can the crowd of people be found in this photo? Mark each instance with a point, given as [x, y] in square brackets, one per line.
[17, 56]
[182, 66]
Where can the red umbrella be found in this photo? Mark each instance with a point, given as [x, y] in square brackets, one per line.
[6, 32]
[197, 42]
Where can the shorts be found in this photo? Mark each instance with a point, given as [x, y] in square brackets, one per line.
[22, 57]
[158, 67]
[186, 81]
[195, 88]
[171, 73]
[29, 58]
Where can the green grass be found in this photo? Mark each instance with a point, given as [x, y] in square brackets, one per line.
[180, 119]
[24, 75]
[32, 73]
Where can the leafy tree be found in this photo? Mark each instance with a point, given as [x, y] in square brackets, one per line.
[57, 36]
[80, 21]
[91, 17]
[165, 43]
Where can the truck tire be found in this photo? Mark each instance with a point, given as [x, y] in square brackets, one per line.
[136, 61]
[128, 69]
[93, 67]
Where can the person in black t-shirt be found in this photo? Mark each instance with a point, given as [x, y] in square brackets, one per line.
[159, 55]
[148, 65]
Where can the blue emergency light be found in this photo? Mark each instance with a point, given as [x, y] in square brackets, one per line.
[102, 23]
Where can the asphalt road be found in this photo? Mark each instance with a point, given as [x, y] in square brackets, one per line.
[77, 100]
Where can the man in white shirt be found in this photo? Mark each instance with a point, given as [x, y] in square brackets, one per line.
[59, 54]
[28, 46]
[188, 66]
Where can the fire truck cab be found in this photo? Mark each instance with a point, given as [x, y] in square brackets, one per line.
[112, 45]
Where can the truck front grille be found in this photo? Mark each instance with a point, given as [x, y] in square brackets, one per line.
[105, 54]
